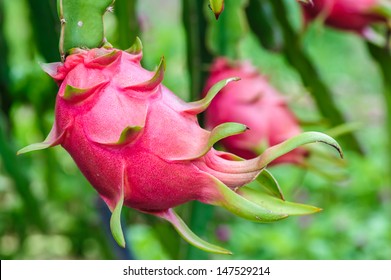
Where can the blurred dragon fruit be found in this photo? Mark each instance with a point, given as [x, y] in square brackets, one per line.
[140, 146]
[255, 103]
[354, 15]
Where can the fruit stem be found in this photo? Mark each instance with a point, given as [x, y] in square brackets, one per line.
[82, 24]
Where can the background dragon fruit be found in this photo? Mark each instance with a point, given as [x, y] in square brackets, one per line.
[142, 147]
[353, 15]
[255, 103]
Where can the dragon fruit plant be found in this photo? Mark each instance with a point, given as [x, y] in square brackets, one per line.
[353, 15]
[140, 146]
[255, 103]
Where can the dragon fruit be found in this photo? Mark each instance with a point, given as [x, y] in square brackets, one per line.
[140, 146]
[255, 103]
[354, 15]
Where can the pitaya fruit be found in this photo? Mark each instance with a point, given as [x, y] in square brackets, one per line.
[354, 15]
[255, 103]
[140, 146]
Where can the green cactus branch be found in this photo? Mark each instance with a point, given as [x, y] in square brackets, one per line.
[224, 35]
[265, 26]
[5, 98]
[82, 23]
[309, 74]
[382, 56]
[45, 26]
[128, 26]
[198, 57]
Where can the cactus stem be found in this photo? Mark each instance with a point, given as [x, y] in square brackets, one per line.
[81, 27]
[63, 22]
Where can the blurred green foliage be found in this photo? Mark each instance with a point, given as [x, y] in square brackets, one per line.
[49, 211]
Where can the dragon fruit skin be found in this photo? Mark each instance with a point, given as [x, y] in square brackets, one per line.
[153, 163]
[140, 146]
[255, 103]
[353, 15]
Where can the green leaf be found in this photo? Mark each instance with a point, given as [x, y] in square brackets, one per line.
[188, 235]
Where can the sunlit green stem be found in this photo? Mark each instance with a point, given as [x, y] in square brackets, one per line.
[82, 23]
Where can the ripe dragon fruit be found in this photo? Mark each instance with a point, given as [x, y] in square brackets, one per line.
[140, 146]
[354, 15]
[255, 103]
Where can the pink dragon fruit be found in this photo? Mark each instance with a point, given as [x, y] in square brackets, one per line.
[354, 15]
[255, 103]
[141, 146]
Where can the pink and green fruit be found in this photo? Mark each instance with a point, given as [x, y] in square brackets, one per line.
[141, 146]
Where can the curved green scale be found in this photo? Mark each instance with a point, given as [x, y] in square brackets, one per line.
[128, 135]
[188, 235]
[382, 8]
[221, 131]
[267, 180]
[53, 139]
[136, 48]
[115, 220]
[199, 106]
[115, 223]
[76, 95]
[243, 207]
[152, 83]
[277, 205]
[217, 7]
[276, 151]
